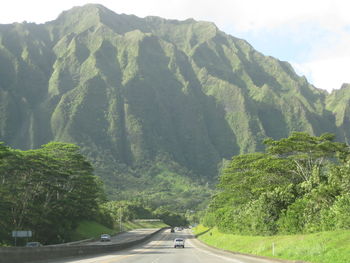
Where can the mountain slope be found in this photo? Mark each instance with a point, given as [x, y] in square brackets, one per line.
[148, 96]
[338, 102]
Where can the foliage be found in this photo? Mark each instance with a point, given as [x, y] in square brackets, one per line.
[163, 183]
[48, 191]
[170, 218]
[124, 211]
[300, 184]
[308, 153]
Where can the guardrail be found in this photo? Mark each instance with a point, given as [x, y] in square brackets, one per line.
[147, 220]
[35, 254]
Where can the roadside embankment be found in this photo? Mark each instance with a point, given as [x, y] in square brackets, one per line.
[323, 247]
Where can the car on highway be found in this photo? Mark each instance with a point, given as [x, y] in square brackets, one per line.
[34, 244]
[179, 242]
[105, 237]
[172, 230]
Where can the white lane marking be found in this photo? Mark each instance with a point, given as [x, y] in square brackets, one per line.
[98, 259]
[156, 260]
[215, 255]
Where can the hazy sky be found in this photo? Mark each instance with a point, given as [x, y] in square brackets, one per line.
[313, 35]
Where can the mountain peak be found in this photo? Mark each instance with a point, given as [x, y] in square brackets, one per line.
[80, 18]
[78, 14]
[345, 86]
[85, 9]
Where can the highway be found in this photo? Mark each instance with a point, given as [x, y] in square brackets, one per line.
[125, 237]
[160, 249]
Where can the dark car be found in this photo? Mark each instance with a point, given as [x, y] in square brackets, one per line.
[172, 230]
[34, 244]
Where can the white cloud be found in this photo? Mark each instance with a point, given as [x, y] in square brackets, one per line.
[327, 74]
[327, 66]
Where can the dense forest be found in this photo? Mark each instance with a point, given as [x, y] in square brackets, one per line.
[51, 189]
[301, 184]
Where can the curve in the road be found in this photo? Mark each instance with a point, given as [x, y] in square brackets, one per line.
[160, 249]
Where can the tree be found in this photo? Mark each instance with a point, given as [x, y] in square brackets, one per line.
[170, 218]
[48, 190]
[288, 188]
[309, 154]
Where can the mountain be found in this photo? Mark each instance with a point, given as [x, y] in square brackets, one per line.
[338, 102]
[156, 104]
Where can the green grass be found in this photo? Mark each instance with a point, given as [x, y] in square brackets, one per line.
[323, 247]
[91, 229]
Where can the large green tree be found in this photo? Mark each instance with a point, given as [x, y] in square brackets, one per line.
[310, 155]
[47, 190]
[290, 188]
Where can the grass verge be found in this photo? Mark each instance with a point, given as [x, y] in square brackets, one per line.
[323, 247]
[90, 229]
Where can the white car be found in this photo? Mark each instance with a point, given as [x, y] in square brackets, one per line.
[105, 237]
[179, 242]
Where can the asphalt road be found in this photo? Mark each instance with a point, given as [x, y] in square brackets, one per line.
[160, 249]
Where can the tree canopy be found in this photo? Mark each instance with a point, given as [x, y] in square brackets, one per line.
[300, 184]
[48, 191]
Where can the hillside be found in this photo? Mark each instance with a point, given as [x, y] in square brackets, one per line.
[152, 102]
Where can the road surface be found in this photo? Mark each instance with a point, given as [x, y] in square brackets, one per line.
[160, 249]
[128, 236]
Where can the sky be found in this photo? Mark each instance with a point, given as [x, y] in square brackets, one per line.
[312, 35]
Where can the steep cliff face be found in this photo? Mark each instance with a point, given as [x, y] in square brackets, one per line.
[130, 91]
[338, 102]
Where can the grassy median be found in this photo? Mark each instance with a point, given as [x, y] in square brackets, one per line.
[323, 247]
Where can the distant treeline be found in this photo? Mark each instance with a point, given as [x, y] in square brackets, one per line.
[51, 189]
[300, 185]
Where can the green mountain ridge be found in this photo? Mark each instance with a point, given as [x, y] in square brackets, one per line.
[138, 93]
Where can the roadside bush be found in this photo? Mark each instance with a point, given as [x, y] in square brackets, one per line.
[209, 220]
[340, 212]
[292, 219]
